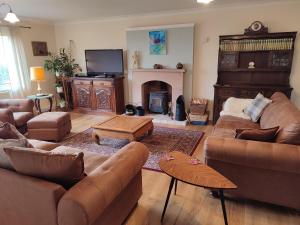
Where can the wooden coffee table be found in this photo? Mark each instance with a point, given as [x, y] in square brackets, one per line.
[123, 127]
[201, 175]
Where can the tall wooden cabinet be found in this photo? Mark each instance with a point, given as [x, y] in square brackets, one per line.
[98, 94]
[254, 62]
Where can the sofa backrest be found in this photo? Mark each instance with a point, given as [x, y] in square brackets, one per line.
[281, 112]
[17, 105]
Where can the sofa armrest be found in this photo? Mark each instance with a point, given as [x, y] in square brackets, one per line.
[17, 105]
[6, 115]
[28, 200]
[87, 200]
[264, 155]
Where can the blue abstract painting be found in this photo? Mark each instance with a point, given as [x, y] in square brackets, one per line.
[158, 42]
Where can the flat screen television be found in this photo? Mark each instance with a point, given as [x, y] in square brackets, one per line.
[104, 62]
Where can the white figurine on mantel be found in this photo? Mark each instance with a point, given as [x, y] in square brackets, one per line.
[135, 60]
[251, 65]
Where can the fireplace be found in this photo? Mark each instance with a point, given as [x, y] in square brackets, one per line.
[155, 96]
[144, 81]
[158, 102]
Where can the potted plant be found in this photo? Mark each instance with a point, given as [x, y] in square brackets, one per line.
[59, 88]
[62, 103]
[53, 64]
[62, 64]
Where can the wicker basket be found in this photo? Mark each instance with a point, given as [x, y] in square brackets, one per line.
[198, 106]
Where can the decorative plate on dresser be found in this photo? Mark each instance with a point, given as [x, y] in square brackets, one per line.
[253, 62]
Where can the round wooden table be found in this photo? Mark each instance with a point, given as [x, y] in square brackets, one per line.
[37, 101]
[181, 168]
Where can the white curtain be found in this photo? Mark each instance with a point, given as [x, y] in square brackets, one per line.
[12, 56]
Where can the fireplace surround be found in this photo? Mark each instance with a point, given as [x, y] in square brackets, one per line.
[171, 80]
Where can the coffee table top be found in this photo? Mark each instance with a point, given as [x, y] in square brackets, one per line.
[200, 175]
[127, 124]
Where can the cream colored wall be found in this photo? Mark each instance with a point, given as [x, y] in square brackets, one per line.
[38, 32]
[209, 25]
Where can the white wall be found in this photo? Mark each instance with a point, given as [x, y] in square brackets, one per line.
[209, 25]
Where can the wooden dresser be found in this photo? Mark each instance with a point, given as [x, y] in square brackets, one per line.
[254, 62]
[98, 94]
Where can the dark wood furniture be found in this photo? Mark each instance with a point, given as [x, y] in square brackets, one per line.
[181, 168]
[98, 94]
[65, 95]
[254, 62]
[37, 102]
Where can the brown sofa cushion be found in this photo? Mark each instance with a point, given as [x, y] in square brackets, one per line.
[66, 169]
[44, 145]
[4, 160]
[281, 112]
[21, 118]
[92, 160]
[266, 135]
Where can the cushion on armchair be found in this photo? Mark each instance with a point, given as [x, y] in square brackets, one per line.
[255, 110]
[266, 135]
[65, 169]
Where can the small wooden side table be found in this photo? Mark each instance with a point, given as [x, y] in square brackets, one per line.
[180, 168]
[37, 101]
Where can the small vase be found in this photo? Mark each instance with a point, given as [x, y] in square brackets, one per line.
[57, 74]
[59, 89]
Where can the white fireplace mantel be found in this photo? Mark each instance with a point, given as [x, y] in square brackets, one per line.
[173, 77]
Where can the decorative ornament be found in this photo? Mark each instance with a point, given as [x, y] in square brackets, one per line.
[251, 65]
[179, 66]
[157, 66]
[135, 60]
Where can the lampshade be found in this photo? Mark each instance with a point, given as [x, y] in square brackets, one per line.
[11, 18]
[204, 1]
[37, 73]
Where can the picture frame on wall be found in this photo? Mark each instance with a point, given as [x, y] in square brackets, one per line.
[158, 42]
[39, 48]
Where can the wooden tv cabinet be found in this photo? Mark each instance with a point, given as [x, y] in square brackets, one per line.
[98, 94]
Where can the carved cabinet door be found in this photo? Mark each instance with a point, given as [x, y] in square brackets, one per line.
[104, 99]
[82, 96]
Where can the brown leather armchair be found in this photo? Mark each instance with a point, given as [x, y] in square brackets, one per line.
[17, 112]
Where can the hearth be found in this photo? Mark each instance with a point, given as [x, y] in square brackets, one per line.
[158, 102]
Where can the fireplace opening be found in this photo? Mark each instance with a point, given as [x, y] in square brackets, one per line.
[156, 96]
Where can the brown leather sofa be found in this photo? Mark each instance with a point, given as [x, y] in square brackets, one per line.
[263, 171]
[107, 194]
[17, 112]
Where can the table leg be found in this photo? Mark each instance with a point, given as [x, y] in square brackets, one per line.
[168, 197]
[223, 206]
[51, 102]
[38, 105]
[175, 186]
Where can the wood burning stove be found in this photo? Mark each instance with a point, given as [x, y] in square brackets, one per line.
[158, 102]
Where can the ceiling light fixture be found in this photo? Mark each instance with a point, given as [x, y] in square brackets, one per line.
[204, 1]
[10, 16]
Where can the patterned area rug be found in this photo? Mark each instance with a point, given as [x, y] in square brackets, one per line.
[161, 141]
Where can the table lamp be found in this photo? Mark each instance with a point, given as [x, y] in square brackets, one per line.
[37, 74]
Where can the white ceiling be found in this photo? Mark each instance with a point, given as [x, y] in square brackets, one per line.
[68, 10]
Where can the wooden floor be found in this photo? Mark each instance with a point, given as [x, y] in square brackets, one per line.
[192, 205]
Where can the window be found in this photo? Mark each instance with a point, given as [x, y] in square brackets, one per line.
[4, 75]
